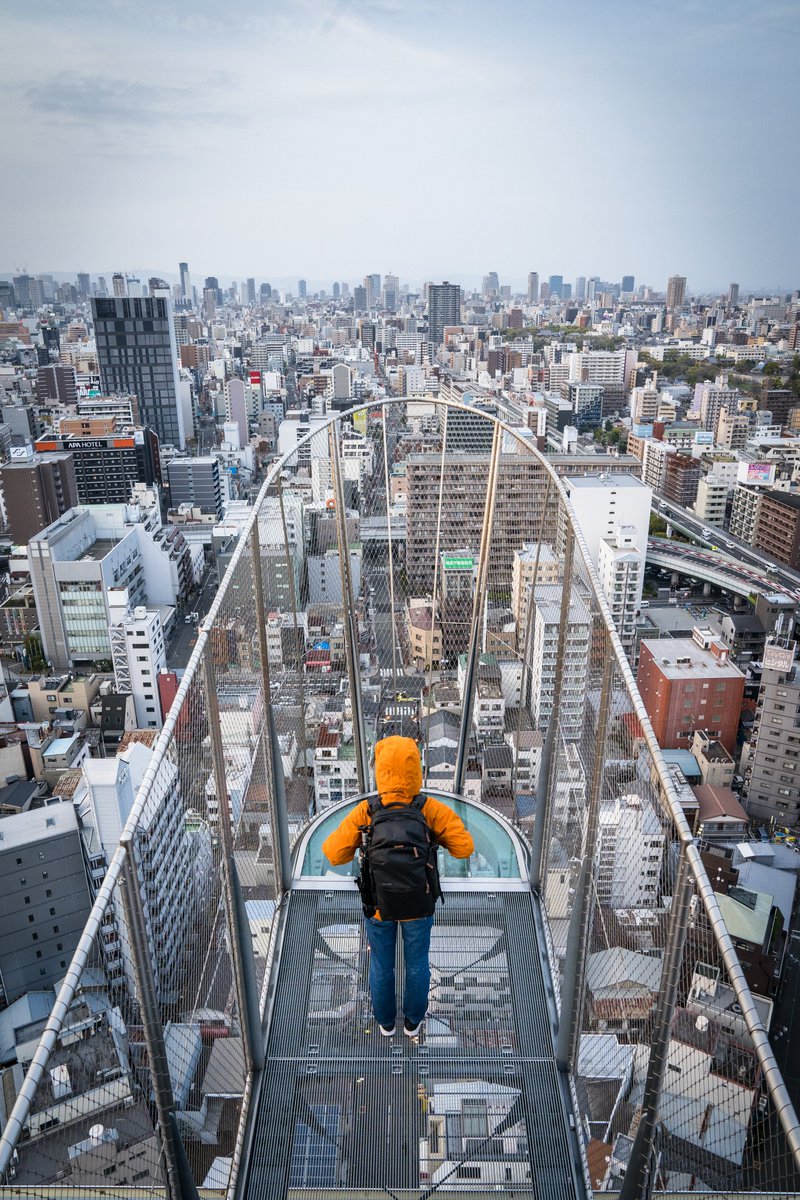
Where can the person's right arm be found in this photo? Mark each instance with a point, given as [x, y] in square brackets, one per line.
[449, 829]
[340, 846]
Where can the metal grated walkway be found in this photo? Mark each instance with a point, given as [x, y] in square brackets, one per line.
[475, 1106]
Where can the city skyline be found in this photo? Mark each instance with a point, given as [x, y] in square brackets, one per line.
[290, 146]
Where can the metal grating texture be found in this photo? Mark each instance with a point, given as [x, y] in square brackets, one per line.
[474, 1103]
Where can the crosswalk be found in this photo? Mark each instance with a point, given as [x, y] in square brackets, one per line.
[386, 672]
[400, 710]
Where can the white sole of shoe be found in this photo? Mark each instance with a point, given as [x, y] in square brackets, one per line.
[388, 1032]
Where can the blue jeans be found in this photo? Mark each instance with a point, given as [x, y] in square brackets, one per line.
[382, 938]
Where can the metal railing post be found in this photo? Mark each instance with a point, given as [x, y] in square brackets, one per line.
[573, 979]
[473, 659]
[348, 604]
[226, 841]
[153, 1028]
[267, 739]
[638, 1181]
[543, 788]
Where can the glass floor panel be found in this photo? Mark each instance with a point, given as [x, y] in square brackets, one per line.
[473, 1106]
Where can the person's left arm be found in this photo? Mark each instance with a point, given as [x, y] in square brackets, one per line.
[340, 846]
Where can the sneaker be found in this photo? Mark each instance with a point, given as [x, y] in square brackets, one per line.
[386, 1031]
[411, 1030]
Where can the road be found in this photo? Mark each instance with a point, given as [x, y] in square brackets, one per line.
[183, 640]
[736, 549]
[722, 568]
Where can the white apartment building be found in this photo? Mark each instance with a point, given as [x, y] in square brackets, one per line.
[654, 464]
[138, 652]
[620, 566]
[542, 660]
[524, 567]
[611, 368]
[645, 403]
[630, 851]
[603, 502]
[174, 863]
[712, 495]
[746, 500]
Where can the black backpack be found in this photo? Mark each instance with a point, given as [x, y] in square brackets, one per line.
[399, 867]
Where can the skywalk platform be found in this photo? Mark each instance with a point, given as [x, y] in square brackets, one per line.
[474, 1106]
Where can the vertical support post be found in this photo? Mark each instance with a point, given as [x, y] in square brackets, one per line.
[151, 1019]
[277, 811]
[348, 604]
[638, 1181]
[251, 1012]
[226, 840]
[573, 980]
[391, 550]
[544, 788]
[525, 671]
[298, 638]
[473, 659]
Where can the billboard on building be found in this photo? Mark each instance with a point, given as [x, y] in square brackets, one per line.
[760, 473]
[778, 658]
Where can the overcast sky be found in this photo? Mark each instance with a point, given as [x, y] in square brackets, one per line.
[431, 138]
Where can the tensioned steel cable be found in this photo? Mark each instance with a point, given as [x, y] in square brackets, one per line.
[434, 597]
[526, 643]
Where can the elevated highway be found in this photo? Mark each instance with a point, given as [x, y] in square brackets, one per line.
[715, 567]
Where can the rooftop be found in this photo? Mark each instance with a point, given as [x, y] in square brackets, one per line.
[682, 658]
[37, 825]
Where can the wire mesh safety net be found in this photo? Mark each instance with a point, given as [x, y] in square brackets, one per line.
[411, 563]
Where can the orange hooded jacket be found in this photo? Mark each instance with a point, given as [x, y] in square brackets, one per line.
[398, 777]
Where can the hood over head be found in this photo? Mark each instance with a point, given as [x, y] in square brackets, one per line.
[398, 767]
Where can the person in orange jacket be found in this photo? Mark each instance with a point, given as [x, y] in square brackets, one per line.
[398, 778]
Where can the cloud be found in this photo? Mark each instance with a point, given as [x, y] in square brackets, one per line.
[87, 100]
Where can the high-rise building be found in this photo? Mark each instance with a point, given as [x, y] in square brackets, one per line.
[733, 295]
[56, 382]
[391, 290]
[186, 286]
[773, 780]
[628, 284]
[580, 288]
[102, 286]
[37, 489]
[301, 288]
[106, 463]
[613, 514]
[533, 287]
[138, 355]
[84, 285]
[490, 287]
[44, 898]
[543, 642]
[556, 284]
[711, 397]
[138, 654]
[372, 285]
[359, 299]
[251, 291]
[197, 482]
[676, 290]
[777, 527]
[118, 285]
[544, 292]
[336, 290]
[212, 283]
[688, 684]
[444, 308]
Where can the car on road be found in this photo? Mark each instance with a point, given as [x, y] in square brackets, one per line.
[408, 699]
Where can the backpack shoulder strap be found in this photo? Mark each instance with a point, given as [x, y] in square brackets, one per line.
[375, 805]
[419, 801]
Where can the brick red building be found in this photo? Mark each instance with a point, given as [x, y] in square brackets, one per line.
[688, 684]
